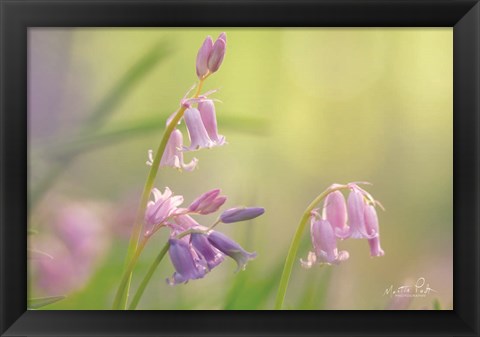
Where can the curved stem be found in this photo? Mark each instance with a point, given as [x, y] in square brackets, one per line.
[138, 225]
[148, 276]
[292, 252]
[119, 296]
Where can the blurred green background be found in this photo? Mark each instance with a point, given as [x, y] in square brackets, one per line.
[301, 109]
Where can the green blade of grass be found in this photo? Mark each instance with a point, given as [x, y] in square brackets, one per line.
[248, 292]
[252, 125]
[36, 303]
[315, 293]
[129, 80]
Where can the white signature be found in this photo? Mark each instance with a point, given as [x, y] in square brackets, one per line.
[420, 289]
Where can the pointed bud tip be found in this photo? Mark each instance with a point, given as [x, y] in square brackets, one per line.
[202, 57]
[217, 55]
[223, 36]
[241, 214]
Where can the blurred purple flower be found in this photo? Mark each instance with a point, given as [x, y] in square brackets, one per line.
[76, 240]
[59, 275]
[82, 231]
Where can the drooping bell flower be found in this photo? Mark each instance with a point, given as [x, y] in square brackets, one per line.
[356, 204]
[241, 214]
[196, 131]
[324, 244]
[371, 223]
[186, 268]
[173, 155]
[162, 206]
[209, 118]
[368, 197]
[230, 248]
[207, 203]
[203, 247]
[335, 212]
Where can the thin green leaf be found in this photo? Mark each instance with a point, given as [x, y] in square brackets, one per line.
[436, 304]
[252, 125]
[118, 93]
[35, 303]
[246, 293]
[129, 80]
[315, 293]
[235, 290]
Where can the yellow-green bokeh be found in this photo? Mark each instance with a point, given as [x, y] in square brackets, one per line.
[339, 105]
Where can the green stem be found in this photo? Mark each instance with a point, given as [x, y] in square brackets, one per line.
[138, 225]
[119, 297]
[292, 252]
[124, 287]
[148, 276]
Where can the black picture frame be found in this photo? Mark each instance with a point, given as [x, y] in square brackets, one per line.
[18, 15]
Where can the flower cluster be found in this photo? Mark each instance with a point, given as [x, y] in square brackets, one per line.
[196, 249]
[200, 115]
[355, 219]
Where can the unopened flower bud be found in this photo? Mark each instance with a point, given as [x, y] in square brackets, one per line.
[218, 53]
[241, 214]
[208, 202]
[202, 57]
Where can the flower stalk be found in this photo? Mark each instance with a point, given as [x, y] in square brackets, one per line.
[120, 295]
[134, 251]
[196, 255]
[292, 252]
[326, 228]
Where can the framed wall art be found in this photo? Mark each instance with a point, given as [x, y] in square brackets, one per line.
[251, 168]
